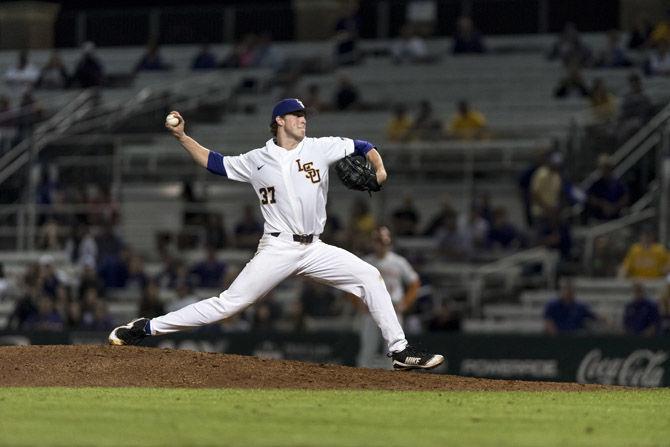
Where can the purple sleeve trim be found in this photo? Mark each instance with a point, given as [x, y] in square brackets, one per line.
[362, 147]
[215, 164]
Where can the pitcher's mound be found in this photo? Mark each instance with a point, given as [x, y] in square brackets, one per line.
[97, 365]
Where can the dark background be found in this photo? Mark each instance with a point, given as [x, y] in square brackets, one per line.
[126, 22]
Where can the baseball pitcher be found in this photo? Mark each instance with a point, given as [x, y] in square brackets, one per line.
[290, 177]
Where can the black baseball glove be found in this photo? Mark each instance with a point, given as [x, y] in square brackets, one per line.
[356, 174]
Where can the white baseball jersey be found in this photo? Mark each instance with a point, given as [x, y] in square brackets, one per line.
[396, 271]
[292, 186]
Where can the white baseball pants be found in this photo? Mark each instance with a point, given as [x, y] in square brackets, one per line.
[278, 258]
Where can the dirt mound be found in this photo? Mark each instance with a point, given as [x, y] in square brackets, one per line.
[92, 365]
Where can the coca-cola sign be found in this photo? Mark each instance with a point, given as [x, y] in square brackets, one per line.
[642, 367]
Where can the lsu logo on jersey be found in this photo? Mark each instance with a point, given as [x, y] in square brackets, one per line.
[310, 172]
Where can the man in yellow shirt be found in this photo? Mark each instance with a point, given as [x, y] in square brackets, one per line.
[645, 259]
[546, 186]
[400, 124]
[467, 123]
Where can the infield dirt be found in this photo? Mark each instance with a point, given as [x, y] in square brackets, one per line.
[100, 365]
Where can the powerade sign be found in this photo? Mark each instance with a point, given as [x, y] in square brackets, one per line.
[505, 368]
[613, 360]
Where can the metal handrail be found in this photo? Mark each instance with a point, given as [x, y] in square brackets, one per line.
[608, 227]
[630, 147]
[547, 257]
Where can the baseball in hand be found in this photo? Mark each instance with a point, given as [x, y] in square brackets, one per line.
[172, 120]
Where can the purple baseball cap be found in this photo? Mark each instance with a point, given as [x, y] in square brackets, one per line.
[286, 106]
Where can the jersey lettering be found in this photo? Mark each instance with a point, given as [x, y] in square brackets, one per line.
[310, 172]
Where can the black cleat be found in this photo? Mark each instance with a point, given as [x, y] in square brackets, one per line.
[411, 358]
[129, 334]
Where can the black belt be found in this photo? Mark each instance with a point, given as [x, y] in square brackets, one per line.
[302, 238]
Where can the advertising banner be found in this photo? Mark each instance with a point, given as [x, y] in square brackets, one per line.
[611, 360]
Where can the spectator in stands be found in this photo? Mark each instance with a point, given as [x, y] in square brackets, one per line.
[570, 49]
[174, 273]
[216, 234]
[658, 63]
[89, 279]
[317, 301]
[426, 126]
[347, 30]
[405, 219]
[313, 100]
[46, 318]
[554, 232]
[248, 230]
[185, 296]
[453, 242]
[7, 122]
[645, 258]
[152, 60]
[347, 96]
[473, 228]
[151, 304]
[525, 183]
[641, 315]
[81, 247]
[605, 257]
[482, 204]
[572, 80]
[446, 212]
[114, 270]
[334, 231]
[603, 102]
[204, 59]
[467, 123]
[266, 313]
[664, 307]
[98, 319]
[565, 314]
[636, 108]
[661, 32]
[53, 75]
[22, 76]
[108, 242]
[399, 127]
[234, 57]
[502, 234]
[5, 285]
[409, 47]
[27, 117]
[89, 71]
[546, 188]
[24, 308]
[467, 39]
[266, 54]
[73, 315]
[361, 224]
[613, 55]
[607, 196]
[638, 37]
[445, 319]
[89, 304]
[210, 272]
[48, 278]
[137, 277]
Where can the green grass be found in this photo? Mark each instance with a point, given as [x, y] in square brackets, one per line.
[152, 417]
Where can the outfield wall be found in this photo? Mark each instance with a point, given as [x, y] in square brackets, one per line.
[616, 360]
